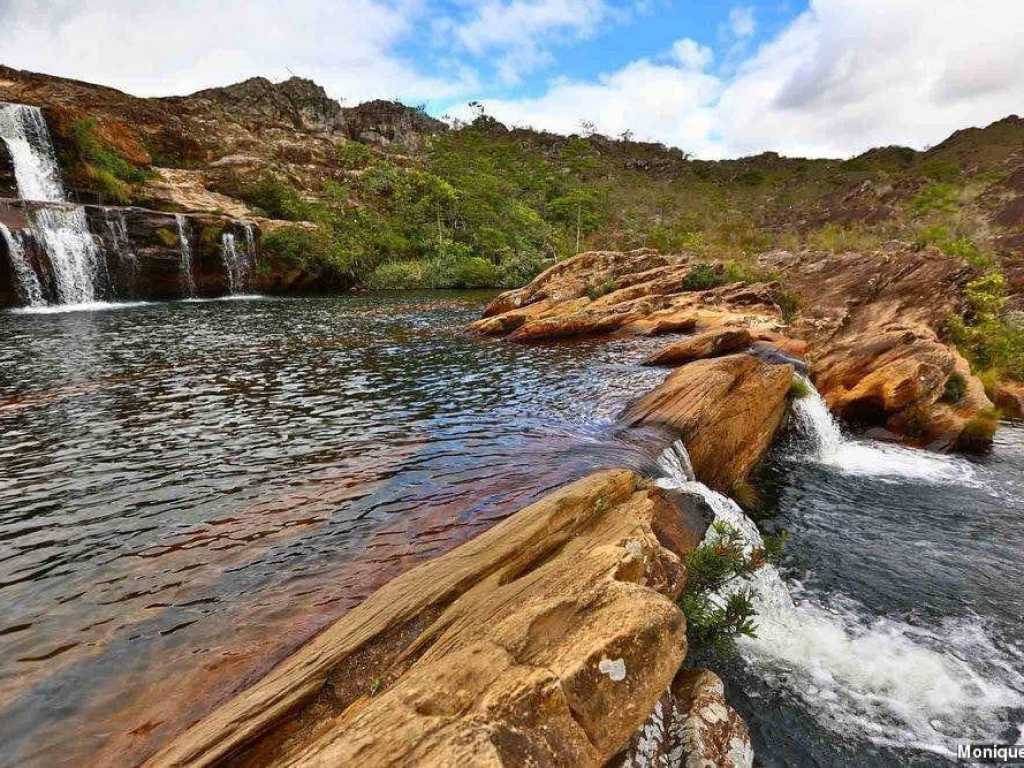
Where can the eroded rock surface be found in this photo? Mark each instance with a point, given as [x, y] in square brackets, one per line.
[692, 726]
[726, 410]
[545, 641]
[868, 324]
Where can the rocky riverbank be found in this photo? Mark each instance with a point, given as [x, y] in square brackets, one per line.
[869, 326]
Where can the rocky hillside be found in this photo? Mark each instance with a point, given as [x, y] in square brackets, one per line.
[396, 199]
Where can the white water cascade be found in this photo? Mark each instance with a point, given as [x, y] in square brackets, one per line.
[890, 682]
[886, 462]
[62, 229]
[186, 256]
[28, 283]
[238, 266]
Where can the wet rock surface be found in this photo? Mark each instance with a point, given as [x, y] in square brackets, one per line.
[547, 640]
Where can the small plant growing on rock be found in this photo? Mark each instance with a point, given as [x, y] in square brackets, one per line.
[702, 277]
[955, 389]
[978, 431]
[168, 238]
[799, 388]
[715, 620]
[596, 291]
[788, 304]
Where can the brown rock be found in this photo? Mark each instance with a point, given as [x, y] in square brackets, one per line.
[713, 343]
[546, 640]
[1009, 397]
[692, 725]
[726, 410]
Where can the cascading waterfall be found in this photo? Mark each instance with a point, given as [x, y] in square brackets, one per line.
[238, 266]
[188, 280]
[826, 444]
[61, 229]
[27, 280]
[896, 684]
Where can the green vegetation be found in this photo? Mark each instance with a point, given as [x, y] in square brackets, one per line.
[935, 198]
[989, 339]
[955, 389]
[799, 388]
[596, 291]
[713, 621]
[100, 166]
[168, 238]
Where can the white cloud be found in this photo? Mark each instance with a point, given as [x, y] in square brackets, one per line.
[522, 31]
[692, 55]
[662, 102]
[851, 74]
[742, 22]
[179, 46]
[842, 77]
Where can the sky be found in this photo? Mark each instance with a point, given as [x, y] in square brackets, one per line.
[817, 78]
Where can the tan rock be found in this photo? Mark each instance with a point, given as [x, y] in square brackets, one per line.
[1009, 397]
[546, 640]
[713, 343]
[726, 410]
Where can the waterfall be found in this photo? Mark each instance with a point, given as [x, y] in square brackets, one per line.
[885, 461]
[893, 683]
[237, 266]
[28, 282]
[61, 229]
[186, 256]
[815, 422]
[24, 131]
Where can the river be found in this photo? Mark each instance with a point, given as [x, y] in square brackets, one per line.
[190, 490]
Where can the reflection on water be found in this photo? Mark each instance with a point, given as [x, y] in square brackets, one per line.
[190, 490]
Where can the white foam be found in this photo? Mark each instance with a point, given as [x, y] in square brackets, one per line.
[829, 446]
[888, 681]
[230, 297]
[90, 306]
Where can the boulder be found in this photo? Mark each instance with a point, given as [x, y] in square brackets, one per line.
[1009, 397]
[726, 410]
[692, 726]
[547, 640]
[713, 343]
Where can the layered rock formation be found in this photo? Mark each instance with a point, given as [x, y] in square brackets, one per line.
[547, 640]
[868, 324]
[151, 255]
[726, 411]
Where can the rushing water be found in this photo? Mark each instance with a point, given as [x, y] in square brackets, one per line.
[898, 634]
[62, 229]
[189, 490]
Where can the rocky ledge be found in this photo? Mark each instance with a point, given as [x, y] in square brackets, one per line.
[148, 255]
[865, 326]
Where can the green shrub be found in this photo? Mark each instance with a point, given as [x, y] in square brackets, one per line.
[352, 155]
[940, 170]
[936, 198]
[275, 198]
[475, 272]
[596, 290]
[711, 621]
[955, 389]
[400, 276]
[702, 277]
[988, 338]
[799, 388]
[788, 304]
